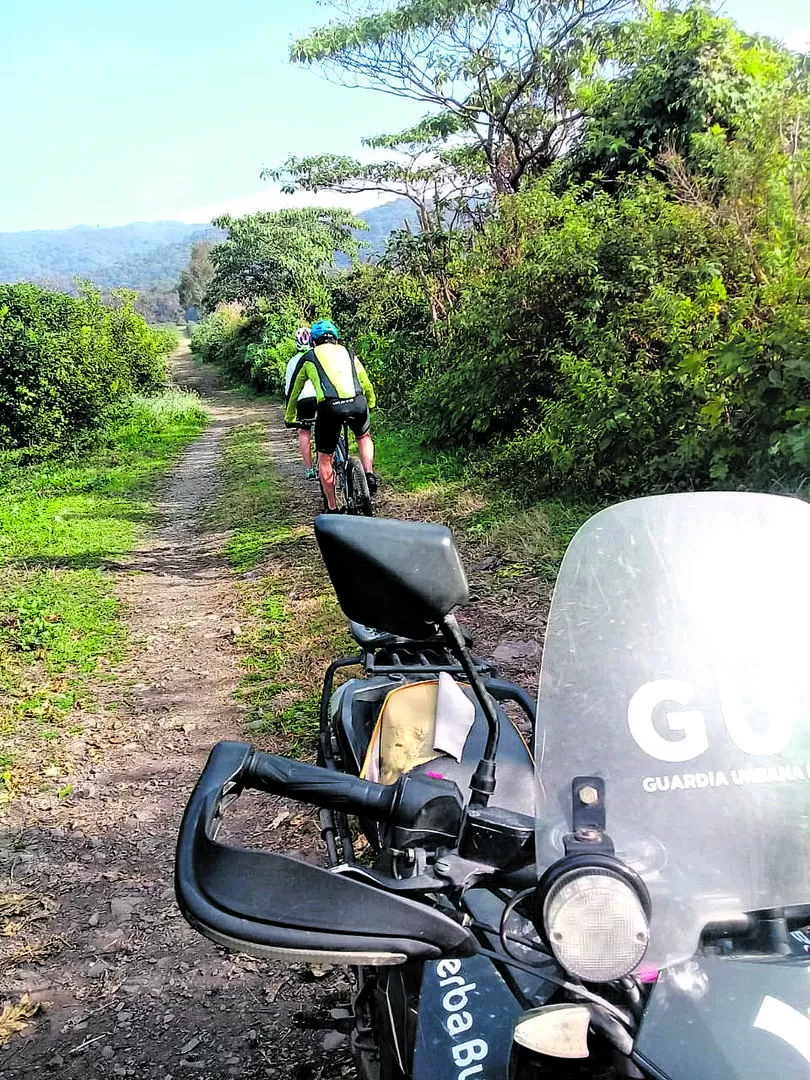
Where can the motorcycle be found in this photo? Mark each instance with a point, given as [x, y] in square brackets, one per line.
[625, 899]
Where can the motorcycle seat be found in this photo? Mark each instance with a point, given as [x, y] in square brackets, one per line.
[370, 639]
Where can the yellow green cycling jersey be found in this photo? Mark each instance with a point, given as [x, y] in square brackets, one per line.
[335, 372]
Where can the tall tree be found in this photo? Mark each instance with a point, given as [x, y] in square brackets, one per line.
[197, 276]
[675, 76]
[506, 73]
[275, 254]
[436, 177]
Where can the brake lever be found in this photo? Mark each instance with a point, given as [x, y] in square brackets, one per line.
[463, 873]
[458, 873]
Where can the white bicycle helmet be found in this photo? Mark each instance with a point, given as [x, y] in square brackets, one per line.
[302, 337]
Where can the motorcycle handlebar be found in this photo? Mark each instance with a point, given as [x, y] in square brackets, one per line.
[321, 787]
[233, 767]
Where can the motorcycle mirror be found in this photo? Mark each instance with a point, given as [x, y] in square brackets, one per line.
[559, 1031]
[401, 577]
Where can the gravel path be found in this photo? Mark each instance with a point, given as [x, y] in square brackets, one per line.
[95, 933]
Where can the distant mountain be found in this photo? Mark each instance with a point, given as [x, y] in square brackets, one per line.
[385, 219]
[137, 255]
[143, 255]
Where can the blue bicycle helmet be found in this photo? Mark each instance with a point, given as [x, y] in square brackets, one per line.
[322, 328]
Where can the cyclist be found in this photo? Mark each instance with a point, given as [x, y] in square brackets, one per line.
[344, 393]
[305, 403]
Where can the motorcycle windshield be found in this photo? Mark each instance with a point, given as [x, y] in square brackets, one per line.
[677, 668]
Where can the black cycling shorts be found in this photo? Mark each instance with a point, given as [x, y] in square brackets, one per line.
[333, 413]
[305, 410]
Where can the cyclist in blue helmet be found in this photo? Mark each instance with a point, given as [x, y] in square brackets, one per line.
[343, 392]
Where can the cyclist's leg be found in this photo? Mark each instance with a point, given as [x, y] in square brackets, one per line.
[326, 471]
[304, 447]
[312, 471]
[305, 410]
[327, 432]
[365, 447]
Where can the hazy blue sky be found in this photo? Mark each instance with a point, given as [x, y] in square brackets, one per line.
[169, 108]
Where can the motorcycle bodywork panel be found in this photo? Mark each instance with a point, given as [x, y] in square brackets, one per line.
[728, 1019]
[467, 1014]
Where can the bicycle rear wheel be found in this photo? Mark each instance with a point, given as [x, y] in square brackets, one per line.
[359, 497]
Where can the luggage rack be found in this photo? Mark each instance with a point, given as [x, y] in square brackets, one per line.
[396, 657]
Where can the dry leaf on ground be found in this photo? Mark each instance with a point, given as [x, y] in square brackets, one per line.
[16, 904]
[33, 952]
[18, 910]
[15, 1017]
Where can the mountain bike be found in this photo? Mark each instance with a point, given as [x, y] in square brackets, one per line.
[351, 485]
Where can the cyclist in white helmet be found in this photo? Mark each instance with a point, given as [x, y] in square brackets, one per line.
[306, 405]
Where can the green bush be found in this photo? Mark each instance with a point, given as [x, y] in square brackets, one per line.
[254, 348]
[386, 319]
[604, 342]
[66, 363]
[673, 368]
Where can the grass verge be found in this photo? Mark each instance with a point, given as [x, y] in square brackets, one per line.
[451, 487]
[292, 626]
[63, 521]
[406, 461]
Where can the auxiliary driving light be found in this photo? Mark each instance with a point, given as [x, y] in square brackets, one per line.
[594, 916]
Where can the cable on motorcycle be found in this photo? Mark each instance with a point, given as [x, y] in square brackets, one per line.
[507, 914]
[573, 988]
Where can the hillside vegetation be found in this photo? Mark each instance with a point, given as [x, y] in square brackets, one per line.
[610, 294]
[147, 257]
[144, 253]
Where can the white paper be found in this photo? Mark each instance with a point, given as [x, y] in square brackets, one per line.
[455, 715]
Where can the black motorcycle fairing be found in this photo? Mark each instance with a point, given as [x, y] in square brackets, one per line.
[355, 708]
[728, 1020]
[487, 908]
[467, 1014]
[414, 1034]
[395, 1008]
[515, 790]
[261, 901]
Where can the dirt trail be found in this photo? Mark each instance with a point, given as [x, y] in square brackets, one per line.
[132, 990]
